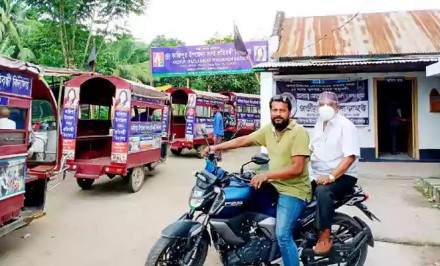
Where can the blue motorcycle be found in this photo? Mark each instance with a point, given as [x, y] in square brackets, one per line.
[239, 221]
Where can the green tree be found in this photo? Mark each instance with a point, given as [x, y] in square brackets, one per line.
[73, 17]
[13, 24]
[126, 58]
[217, 39]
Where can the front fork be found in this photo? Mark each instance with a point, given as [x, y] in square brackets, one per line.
[199, 233]
[190, 257]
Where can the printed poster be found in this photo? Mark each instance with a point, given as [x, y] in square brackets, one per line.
[165, 119]
[248, 121]
[204, 123]
[352, 96]
[69, 121]
[190, 117]
[15, 84]
[206, 59]
[144, 143]
[12, 177]
[121, 122]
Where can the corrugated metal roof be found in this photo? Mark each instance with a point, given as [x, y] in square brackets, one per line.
[17, 65]
[407, 32]
[349, 62]
[62, 72]
[247, 95]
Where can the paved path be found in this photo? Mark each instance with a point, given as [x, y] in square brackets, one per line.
[109, 226]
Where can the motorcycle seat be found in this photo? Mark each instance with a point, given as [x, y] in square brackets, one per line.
[355, 191]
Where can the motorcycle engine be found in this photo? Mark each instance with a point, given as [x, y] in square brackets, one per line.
[256, 250]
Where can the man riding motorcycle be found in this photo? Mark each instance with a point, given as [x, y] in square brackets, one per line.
[287, 144]
[335, 152]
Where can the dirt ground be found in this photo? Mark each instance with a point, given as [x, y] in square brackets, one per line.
[109, 226]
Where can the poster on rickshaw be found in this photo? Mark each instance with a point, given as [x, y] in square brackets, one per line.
[165, 118]
[12, 177]
[69, 121]
[248, 116]
[352, 96]
[206, 124]
[121, 122]
[144, 136]
[248, 121]
[190, 117]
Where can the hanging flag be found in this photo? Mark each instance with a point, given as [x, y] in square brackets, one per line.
[238, 43]
[92, 59]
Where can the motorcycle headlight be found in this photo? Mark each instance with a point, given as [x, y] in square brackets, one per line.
[196, 199]
[195, 203]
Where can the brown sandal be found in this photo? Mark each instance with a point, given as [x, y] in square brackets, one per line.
[323, 247]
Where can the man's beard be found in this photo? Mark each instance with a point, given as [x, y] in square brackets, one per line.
[280, 126]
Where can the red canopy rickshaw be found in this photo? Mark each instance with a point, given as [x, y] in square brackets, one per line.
[26, 166]
[191, 112]
[112, 126]
[242, 113]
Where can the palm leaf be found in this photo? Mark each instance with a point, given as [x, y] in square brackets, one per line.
[26, 54]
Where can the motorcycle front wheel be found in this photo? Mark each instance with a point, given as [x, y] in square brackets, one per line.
[171, 252]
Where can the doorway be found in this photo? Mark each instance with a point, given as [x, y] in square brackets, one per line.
[395, 105]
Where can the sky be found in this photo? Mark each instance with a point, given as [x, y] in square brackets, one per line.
[194, 21]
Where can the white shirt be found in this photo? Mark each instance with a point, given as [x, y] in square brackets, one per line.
[339, 139]
[6, 123]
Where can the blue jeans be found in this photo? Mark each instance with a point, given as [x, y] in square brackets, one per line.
[288, 211]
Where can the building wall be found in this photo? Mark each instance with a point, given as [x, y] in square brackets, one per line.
[428, 126]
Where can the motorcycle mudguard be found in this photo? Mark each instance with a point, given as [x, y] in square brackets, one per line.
[368, 213]
[365, 226]
[183, 229]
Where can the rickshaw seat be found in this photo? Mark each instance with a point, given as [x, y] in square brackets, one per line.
[42, 168]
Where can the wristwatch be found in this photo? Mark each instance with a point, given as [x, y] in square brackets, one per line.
[331, 177]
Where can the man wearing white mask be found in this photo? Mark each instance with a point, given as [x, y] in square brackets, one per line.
[335, 152]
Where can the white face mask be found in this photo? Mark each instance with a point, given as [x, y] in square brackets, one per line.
[326, 112]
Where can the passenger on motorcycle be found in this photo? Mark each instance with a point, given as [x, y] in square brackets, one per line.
[287, 145]
[335, 151]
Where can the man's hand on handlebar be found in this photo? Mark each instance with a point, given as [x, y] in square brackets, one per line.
[209, 149]
[259, 179]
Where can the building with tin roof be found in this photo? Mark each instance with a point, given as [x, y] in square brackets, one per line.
[377, 63]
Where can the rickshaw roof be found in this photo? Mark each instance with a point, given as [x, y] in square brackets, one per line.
[242, 95]
[201, 94]
[20, 66]
[40, 88]
[136, 88]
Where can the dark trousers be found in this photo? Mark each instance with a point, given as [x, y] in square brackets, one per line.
[326, 195]
[394, 131]
[218, 141]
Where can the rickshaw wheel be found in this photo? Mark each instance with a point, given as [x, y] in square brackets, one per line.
[85, 183]
[176, 152]
[136, 179]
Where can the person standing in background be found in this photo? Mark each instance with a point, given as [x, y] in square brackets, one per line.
[396, 122]
[219, 130]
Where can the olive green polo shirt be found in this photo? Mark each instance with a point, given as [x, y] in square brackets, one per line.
[282, 146]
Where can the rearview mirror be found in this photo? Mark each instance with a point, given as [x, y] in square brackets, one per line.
[204, 132]
[260, 159]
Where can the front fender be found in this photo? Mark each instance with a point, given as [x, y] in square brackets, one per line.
[184, 229]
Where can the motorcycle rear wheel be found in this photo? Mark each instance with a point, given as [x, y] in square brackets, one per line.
[169, 252]
[353, 227]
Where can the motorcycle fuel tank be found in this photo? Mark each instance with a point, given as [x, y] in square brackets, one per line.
[236, 194]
